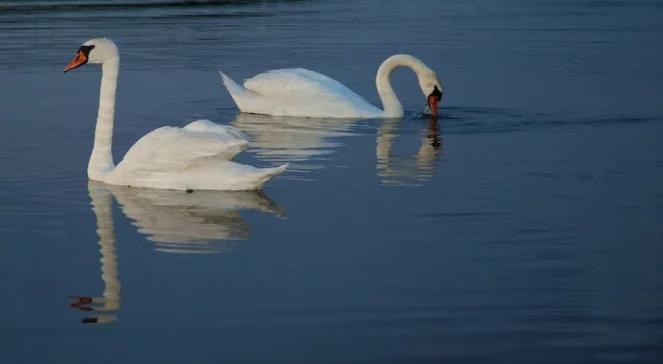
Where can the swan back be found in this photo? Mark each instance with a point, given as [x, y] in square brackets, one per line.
[295, 81]
[300, 92]
[168, 150]
[196, 157]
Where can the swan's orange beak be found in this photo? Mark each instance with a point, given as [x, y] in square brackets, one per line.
[79, 60]
[433, 102]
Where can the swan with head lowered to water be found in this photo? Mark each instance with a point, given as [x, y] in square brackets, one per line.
[305, 93]
[195, 157]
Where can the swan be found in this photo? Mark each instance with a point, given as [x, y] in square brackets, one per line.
[195, 157]
[306, 93]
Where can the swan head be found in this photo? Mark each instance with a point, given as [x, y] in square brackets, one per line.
[433, 90]
[97, 50]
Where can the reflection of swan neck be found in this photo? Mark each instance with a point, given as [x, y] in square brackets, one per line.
[109, 275]
[101, 160]
[400, 170]
[385, 140]
[102, 206]
[390, 102]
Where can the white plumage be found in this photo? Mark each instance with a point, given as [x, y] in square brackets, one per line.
[305, 93]
[195, 157]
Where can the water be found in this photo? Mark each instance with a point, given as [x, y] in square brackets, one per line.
[523, 226]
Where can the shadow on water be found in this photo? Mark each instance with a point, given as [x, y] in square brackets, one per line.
[202, 222]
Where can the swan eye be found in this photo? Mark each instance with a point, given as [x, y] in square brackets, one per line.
[86, 49]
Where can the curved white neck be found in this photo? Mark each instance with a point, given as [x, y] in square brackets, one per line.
[101, 160]
[392, 105]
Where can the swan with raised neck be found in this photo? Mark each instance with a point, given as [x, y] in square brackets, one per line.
[106, 53]
[195, 157]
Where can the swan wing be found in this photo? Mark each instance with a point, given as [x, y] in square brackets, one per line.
[302, 92]
[168, 149]
[295, 81]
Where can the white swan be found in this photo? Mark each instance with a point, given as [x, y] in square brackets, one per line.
[195, 157]
[301, 92]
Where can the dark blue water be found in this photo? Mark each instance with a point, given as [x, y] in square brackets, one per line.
[522, 226]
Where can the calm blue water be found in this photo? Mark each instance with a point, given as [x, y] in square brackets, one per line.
[523, 226]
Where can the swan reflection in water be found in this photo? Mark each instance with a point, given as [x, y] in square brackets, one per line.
[198, 222]
[299, 141]
[110, 301]
[411, 170]
[177, 222]
[303, 141]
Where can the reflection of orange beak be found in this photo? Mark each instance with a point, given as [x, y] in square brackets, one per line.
[78, 61]
[433, 101]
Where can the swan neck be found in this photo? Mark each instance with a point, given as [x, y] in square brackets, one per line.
[392, 105]
[101, 160]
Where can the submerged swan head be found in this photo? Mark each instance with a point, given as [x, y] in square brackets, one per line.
[97, 50]
[432, 88]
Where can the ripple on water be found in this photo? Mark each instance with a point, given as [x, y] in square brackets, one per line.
[473, 120]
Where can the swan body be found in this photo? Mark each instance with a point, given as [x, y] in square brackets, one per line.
[305, 93]
[195, 157]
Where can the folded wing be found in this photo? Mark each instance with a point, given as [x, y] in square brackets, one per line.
[171, 149]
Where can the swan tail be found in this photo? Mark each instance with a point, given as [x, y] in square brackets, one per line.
[237, 91]
[271, 172]
[231, 85]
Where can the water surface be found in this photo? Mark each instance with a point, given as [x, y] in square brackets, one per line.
[522, 226]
